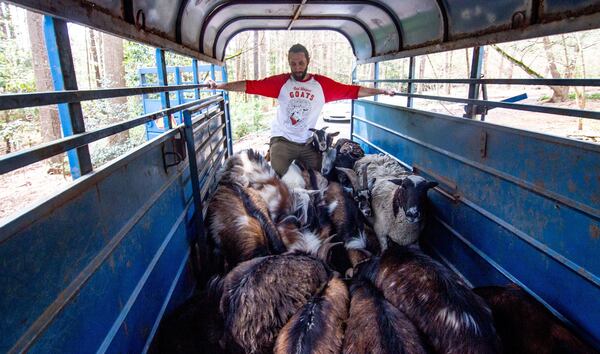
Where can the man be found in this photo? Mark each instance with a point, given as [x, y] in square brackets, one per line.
[301, 97]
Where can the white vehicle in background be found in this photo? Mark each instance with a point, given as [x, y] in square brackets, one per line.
[337, 111]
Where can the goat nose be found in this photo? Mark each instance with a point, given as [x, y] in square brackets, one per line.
[412, 214]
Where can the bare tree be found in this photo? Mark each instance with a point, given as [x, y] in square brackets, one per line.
[559, 93]
[49, 121]
[95, 62]
[114, 75]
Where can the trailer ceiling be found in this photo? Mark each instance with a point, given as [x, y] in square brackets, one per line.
[376, 29]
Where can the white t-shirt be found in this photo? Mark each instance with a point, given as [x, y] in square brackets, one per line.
[300, 102]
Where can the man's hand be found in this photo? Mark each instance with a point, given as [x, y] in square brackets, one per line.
[211, 84]
[389, 92]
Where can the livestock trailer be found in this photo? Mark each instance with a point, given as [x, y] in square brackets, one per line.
[96, 267]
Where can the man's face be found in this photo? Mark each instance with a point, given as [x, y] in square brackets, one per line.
[298, 65]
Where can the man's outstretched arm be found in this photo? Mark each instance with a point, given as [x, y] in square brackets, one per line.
[237, 86]
[370, 91]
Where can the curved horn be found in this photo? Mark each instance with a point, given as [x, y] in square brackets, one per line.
[365, 184]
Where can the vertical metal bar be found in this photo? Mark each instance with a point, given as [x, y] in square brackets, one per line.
[475, 74]
[411, 86]
[352, 104]
[62, 69]
[227, 115]
[161, 68]
[485, 97]
[213, 77]
[376, 77]
[196, 77]
[179, 94]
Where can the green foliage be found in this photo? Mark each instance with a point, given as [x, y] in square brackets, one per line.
[250, 117]
[572, 96]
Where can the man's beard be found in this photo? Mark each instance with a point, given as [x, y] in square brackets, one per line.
[301, 76]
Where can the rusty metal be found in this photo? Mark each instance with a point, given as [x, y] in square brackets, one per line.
[296, 14]
[483, 144]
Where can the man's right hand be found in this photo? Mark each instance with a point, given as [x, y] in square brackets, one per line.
[211, 84]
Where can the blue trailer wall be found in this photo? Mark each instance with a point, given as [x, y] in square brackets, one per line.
[95, 267]
[512, 206]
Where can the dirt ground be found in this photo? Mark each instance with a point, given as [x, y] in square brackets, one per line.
[21, 189]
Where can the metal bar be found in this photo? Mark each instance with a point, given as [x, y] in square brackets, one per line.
[296, 14]
[227, 115]
[354, 75]
[213, 77]
[25, 157]
[161, 67]
[476, 64]
[62, 69]
[521, 107]
[376, 79]
[411, 76]
[24, 100]
[542, 82]
[196, 78]
[189, 137]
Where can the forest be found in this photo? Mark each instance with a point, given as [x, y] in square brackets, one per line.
[104, 61]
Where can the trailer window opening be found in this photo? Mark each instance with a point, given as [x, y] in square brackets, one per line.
[512, 76]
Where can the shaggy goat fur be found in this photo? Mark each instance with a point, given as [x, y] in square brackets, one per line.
[318, 326]
[261, 295]
[376, 326]
[453, 319]
[526, 326]
[380, 166]
[240, 226]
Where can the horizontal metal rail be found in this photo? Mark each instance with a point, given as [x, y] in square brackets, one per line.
[23, 100]
[543, 82]
[25, 157]
[579, 113]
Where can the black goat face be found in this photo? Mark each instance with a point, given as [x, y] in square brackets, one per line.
[328, 162]
[363, 200]
[411, 197]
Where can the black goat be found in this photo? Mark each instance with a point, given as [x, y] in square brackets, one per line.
[525, 326]
[321, 139]
[453, 319]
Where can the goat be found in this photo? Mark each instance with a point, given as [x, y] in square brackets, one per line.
[376, 326]
[240, 227]
[300, 176]
[345, 153]
[361, 192]
[245, 168]
[262, 294]
[449, 314]
[526, 326]
[399, 209]
[318, 326]
[321, 139]
[380, 166]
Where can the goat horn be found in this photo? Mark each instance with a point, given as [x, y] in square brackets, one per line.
[364, 179]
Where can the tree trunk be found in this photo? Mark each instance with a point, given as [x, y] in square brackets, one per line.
[422, 60]
[255, 60]
[559, 93]
[114, 75]
[94, 55]
[49, 121]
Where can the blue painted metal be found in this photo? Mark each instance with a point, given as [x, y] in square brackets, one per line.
[60, 61]
[376, 78]
[526, 208]
[161, 67]
[229, 131]
[516, 98]
[411, 85]
[196, 77]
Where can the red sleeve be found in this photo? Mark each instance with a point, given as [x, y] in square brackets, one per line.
[334, 90]
[269, 86]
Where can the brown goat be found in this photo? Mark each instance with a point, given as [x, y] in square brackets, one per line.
[261, 295]
[375, 326]
[526, 326]
[318, 326]
[444, 309]
[240, 226]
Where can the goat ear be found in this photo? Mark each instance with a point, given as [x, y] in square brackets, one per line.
[396, 202]
[432, 184]
[371, 183]
[312, 129]
[397, 181]
[334, 134]
[325, 128]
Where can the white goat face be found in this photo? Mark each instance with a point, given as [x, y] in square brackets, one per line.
[363, 200]
[412, 197]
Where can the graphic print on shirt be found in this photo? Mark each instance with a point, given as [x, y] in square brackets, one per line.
[296, 110]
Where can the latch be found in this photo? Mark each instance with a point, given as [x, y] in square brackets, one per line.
[174, 151]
